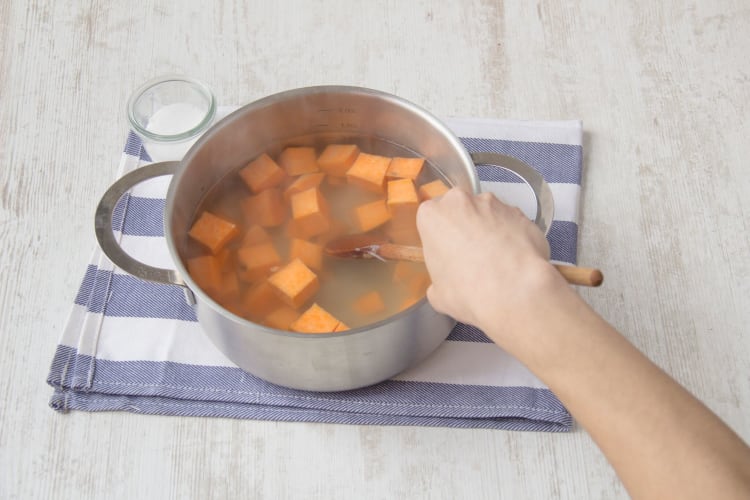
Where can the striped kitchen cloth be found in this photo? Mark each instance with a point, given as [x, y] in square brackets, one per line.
[135, 346]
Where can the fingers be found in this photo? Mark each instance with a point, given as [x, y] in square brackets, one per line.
[428, 211]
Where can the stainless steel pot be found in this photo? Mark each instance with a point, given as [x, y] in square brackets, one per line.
[314, 115]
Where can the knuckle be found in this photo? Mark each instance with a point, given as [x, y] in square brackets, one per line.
[457, 196]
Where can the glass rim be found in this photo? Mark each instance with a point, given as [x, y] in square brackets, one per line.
[188, 134]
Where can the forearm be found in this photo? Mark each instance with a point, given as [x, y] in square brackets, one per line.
[661, 440]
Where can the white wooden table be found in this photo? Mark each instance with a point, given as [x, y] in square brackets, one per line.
[663, 89]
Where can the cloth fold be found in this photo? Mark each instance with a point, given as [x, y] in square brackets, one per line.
[131, 345]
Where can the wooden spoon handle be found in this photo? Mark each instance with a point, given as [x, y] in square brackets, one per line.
[400, 252]
[585, 276]
[574, 275]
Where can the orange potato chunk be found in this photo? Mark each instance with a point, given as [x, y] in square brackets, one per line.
[403, 271]
[368, 172]
[303, 183]
[311, 254]
[369, 304]
[315, 320]
[257, 260]
[336, 159]
[405, 168]
[402, 198]
[267, 209]
[336, 229]
[256, 234]
[298, 160]
[260, 301]
[418, 284]
[225, 258]
[371, 215]
[341, 327]
[206, 271]
[229, 289]
[310, 213]
[432, 190]
[409, 301]
[262, 173]
[403, 232]
[295, 283]
[336, 181]
[281, 318]
[413, 277]
[213, 232]
[292, 231]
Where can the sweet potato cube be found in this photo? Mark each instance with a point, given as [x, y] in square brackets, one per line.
[206, 271]
[404, 270]
[369, 304]
[257, 260]
[236, 306]
[281, 318]
[256, 234]
[213, 231]
[336, 181]
[402, 198]
[403, 232]
[368, 172]
[299, 160]
[229, 289]
[418, 284]
[260, 301]
[292, 230]
[336, 159]
[310, 213]
[371, 215]
[405, 168]
[303, 183]
[341, 327]
[409, 301]
[432, 190]
[262, 173]
[266, 209]
[225, 258]
[337, 228]
[413, 277]
[315, 320]
[311, 254]
[402, 205]
[295, 283]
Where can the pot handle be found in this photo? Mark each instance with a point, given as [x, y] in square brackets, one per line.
[545, 203]
[106, 236]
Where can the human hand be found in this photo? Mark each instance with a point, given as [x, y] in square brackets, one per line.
[488, 262]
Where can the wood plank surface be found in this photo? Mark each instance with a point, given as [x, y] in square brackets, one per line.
[663, 89]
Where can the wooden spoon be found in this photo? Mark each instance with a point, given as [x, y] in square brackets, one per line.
[365, 246]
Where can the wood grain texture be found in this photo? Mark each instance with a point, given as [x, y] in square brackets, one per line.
[663, 90]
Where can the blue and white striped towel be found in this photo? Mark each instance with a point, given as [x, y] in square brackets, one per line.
[135, 346]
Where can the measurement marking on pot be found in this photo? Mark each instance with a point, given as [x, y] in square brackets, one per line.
[343, 110]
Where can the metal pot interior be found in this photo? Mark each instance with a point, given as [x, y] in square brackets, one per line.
[313, 116]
